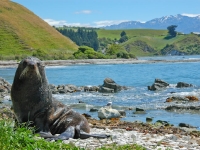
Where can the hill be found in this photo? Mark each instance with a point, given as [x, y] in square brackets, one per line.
[23, 33]
[148, 42]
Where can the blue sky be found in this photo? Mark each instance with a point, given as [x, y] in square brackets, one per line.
[97, 13]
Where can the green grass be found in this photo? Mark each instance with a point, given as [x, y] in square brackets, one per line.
[23, 33]
[23, 138]
[112, 34]
[155, 39]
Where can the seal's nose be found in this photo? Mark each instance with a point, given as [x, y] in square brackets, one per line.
[31, 64]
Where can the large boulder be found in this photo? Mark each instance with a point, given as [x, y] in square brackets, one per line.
[110, 86]
[108, 113]
[158, 85]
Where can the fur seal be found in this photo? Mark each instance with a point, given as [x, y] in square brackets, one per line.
[33, 104]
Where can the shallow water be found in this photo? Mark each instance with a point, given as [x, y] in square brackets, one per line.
[135, 76]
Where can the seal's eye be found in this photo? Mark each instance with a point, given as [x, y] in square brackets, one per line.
[24, 63]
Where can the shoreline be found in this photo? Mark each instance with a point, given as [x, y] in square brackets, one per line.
[14, 63]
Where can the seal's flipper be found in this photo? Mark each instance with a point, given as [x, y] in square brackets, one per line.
[83, 135]
[69, 133]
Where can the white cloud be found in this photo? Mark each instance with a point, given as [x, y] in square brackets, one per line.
[108, 22]
[59, 23]
[190, 15]
[84, 12]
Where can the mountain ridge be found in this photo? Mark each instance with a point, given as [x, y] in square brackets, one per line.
[185, 24]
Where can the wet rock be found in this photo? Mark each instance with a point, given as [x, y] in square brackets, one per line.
[158, 85]
[106, 90]
[183, 84]
[192, 98]
[149, 119]
[161, 123]
[179, 108]
[179, 99]
[91, 88]
[62, 89]
[86, 115]
[108, 113]
[71, 88]
[110, 85]
[86, 88]
[93, 109]
[186, 125]
[81, 101]
[139, 111]
[122, 112]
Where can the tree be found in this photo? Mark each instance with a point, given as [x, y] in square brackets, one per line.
[171, 30]
[123, 33]
[124, 37]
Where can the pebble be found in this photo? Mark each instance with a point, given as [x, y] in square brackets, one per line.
[149, 141]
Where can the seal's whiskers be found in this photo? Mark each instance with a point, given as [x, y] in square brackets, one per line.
[38, 73]
[24, 72]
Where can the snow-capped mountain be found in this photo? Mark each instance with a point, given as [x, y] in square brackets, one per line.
[185, 24]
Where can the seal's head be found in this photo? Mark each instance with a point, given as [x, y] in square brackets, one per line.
[30, 67]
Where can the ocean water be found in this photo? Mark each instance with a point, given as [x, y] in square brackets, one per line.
[136, 77]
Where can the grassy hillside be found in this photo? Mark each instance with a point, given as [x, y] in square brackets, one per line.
[112, 34]
[23, 33]
[147, 42]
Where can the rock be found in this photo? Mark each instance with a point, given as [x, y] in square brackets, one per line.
[179, 108]
[94, 89]
[185, 125]
[91, 88]
[71, 88]
[81, 101]
[62, 89]
[139, 111]
[5, 88]
[161, 123]
[183, 84]
[192, 98]
[122, 112]
[106, 90]
[93, 109]
[110, 84]
[86, 89]
[158, 85]
[86, 115]
[108, 113]
[52, 86]
[149, 119]
[179, 99]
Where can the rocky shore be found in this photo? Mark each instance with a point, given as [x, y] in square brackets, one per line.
[14, 63]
